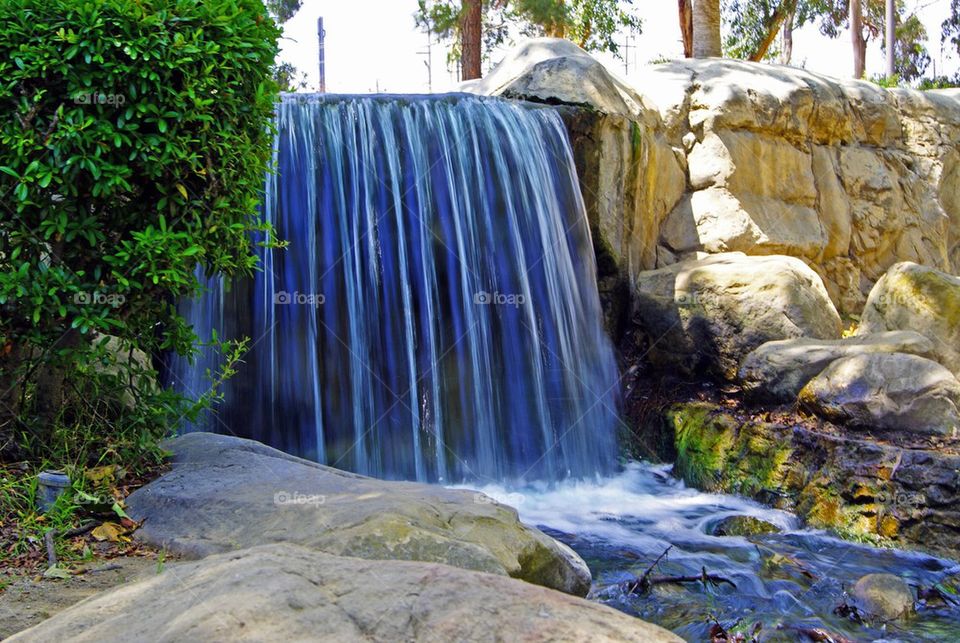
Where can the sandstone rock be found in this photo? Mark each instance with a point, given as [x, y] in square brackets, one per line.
[285, 592]
[707, 315]
[785, 161]
[226, 493]
[778, 370]
[884, 596]
[914, 297]
[887, 391]
[555, 70]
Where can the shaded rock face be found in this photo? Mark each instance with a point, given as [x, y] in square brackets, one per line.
[883, 595]
[723, 155]
[703, 316]
[919, 298]
[284, 592]
[887, 392]
[777, 371]
[870, 491]
[227, 493]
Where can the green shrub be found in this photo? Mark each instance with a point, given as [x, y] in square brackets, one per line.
[134, 137]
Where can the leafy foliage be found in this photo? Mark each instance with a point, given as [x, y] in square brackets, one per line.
[133, 141]
[951, 26]
[592, 24]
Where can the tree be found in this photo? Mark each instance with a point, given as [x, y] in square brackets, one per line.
[471, 53]
[592, 24]
[910, 57]
[857, 38]
[134, 138]
[867, 18]
[890, 24]
[706, 29]
[950, 30]
[686, 26]
[288, 77]
[753, 26]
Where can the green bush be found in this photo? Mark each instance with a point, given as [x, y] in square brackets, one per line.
[134, 137]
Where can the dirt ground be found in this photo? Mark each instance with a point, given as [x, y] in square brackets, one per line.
[25, 600]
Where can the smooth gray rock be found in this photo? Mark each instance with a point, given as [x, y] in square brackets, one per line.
[285, 592]
[226, 493]
[887, 392]
[778, 370]
[884, 596]
[706, 315]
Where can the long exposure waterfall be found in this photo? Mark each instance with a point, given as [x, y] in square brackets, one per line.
[435, 315]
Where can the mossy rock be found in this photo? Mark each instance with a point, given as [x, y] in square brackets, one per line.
[742, 526]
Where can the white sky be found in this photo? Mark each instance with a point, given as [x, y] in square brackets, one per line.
[374, 45]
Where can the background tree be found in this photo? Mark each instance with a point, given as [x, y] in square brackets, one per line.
[288, 77]
[951, 26]
[706, 29]
[753, 25]
[686, 26]
[592, 24]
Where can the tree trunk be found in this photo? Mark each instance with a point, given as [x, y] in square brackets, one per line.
[786, 54]
[51, 381]
[706, 29]
[857, 39]
[784, 9]
[686, 27]
[891, 25]
[471, 24]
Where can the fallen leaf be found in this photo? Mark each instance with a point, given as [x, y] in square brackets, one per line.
[57, 572]
[109, 531]
[100, 475]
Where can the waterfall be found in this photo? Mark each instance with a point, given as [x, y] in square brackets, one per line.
[435, 315]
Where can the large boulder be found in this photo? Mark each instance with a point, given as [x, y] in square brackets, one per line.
[887, 391]
[778, 370]
[884, 596]
[919, 298]
[226, 493]
[555, 70]
[706, 315]
[285, 592]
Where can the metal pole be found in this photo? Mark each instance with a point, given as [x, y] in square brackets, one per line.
[321, 34]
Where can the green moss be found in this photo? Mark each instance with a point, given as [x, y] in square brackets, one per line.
[703, 438]
[715, 453]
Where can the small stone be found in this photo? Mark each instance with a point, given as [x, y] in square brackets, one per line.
[884, 596]
[689, 140]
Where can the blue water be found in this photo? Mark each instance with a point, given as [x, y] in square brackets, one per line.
[435, 315]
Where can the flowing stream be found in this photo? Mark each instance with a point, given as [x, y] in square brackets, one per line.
[791, 580]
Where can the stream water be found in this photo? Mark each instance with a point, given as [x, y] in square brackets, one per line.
[786, 581]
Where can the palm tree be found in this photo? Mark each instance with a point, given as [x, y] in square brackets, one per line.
[706, 29]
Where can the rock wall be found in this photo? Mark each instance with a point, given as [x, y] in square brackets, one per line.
[720, 155]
